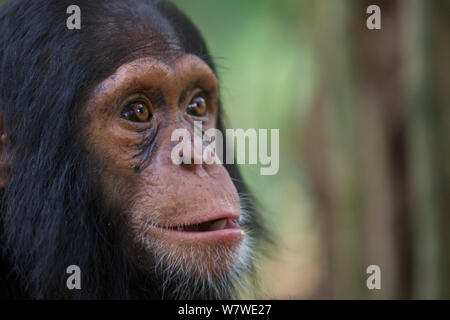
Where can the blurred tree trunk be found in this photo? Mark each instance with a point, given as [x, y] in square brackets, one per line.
[378, 150]
[330, 156]
[432, 118]
[360, 147]
[380, 108]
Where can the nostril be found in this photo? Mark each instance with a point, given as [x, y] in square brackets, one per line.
[186, 159]
[197, 169]
[191, 155]
[200, 171]
[191, 158]
[192, 161]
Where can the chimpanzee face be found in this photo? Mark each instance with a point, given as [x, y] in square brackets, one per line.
[183, 217]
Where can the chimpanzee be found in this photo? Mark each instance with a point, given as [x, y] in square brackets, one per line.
[86, 177]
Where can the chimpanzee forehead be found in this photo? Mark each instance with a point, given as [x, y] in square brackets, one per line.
[117, 33]
[171, 77]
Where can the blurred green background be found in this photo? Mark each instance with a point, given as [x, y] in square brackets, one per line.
[364, 119]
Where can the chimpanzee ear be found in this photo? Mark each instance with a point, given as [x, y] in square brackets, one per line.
[4, 158]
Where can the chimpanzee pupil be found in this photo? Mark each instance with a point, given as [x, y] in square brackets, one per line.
[197, 107]
[141, 112]
[136, 112]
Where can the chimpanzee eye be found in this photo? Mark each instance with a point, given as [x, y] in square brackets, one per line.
[136, 112]
[197, 107]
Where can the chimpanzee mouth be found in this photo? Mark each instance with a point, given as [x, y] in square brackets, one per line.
[213, 225]
[213, 229]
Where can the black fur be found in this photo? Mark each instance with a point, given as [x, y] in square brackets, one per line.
[51, 213]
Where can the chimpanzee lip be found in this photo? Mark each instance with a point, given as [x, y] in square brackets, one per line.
[212, 225]
[209, 224]
[222, 230]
